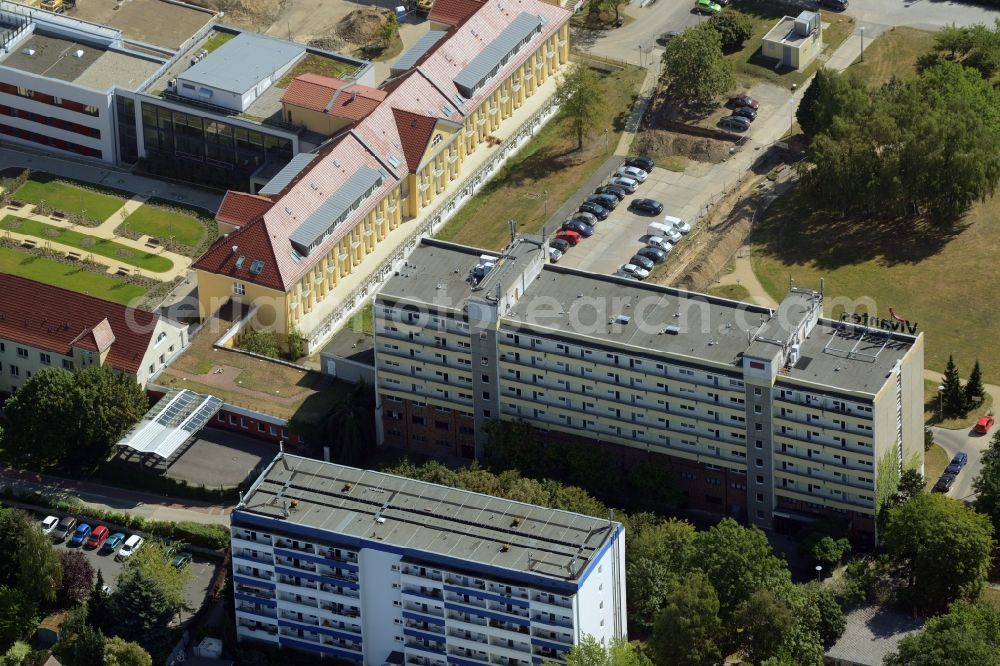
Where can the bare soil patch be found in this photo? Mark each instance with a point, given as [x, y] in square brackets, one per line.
[360, 29]
[253, 14]
[660, 144]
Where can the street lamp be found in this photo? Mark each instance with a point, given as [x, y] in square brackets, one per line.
[941, 402]
[605, 140]
[640, 55]
[546, 193]
[819, 571]
[862, 43]
[791, 115]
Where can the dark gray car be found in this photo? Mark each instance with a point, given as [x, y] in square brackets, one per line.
[655, 254]
[642, 262]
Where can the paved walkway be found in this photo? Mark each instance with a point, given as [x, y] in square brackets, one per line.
[153, 507]
[105, 230]
[639, 108]
[109, 176]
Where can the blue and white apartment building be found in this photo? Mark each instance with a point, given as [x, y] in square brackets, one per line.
[380, 569]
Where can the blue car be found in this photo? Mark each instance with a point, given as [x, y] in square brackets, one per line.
[80, 535]
[957, 463]
[584, 230]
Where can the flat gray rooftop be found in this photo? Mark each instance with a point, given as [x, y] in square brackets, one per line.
[79, 63]
[435, 275]
[784, 32]
[243, 62]
[353, 345]
[405, 513]
[158, 22]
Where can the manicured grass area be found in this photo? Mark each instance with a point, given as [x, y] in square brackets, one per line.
[315, 64]
[217, 40]
[164, 224]
[932, 409]
[941, 279]
[362, 321]
[935, 461]
[68, 277]
[549, 162]
[68, 198]
[750, 65]
[893, 54]
[87, 244]
[736, 292]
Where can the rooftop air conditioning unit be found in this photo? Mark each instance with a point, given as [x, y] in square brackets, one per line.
[807, 23]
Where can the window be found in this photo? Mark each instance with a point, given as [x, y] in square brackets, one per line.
[67, 364]
[759, 462]
[760, 478]
[239, 289]
[757, 390]
[15, 371]
[759, 444]
[22, 352]
[45, 358]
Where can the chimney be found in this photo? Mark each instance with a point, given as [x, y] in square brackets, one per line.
[236, 249]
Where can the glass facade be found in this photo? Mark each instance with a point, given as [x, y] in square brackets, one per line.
[175, 141]
[128, 146]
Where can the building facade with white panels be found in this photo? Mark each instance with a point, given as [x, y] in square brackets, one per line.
[378, 569]
[765, 415]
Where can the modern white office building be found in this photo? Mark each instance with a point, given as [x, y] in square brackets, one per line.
[766, 415]
[380, 569]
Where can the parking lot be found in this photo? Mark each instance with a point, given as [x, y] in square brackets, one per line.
[202, 569]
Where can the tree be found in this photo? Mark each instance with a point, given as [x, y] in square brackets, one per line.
[739, 561]
[27, 560]
[264, 343]
[81, 645]
[16, 655]
[911, 483]
[953, 39]
[688, 630]
[733, 27]
[18, 616]
[78, 577]
[99, 605]
[765, 622]
[589, 652]
[695, 66]
[298, 343]
[987, 483]
[579, 99]
[975, 392]
[830, 622]
[825, 542]
[967, 635]
[42, 417]
[119, 652]
[111, 403]
[829, 551]
[818, 98]
[941, 547]
[952, 395]
[659, 552]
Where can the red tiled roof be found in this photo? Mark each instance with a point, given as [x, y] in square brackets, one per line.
[349, 100]
[240, 208]
[414, 133]
[250, 242]
[56, 320]
[453, 12]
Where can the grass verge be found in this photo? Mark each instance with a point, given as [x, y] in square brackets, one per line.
[69, 277]
[87, 244]
[935, 461]
[162, 223]
[932, 410]
[68, 198]
[545, 172]
[893, 54]
[736, 292]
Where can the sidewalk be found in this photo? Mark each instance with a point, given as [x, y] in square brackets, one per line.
[850, 50]
[152, 507]
[110, 176]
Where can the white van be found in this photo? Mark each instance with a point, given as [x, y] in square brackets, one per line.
[657, 229]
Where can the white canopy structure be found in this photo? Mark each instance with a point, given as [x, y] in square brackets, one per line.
[171, 422]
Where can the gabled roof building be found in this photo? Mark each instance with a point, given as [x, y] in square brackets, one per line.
[391, 154]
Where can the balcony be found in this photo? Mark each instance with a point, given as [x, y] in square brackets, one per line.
[301, 547]
[423, 609]
[260, 612]
[551, 620]
[340, 609]
[260, 593]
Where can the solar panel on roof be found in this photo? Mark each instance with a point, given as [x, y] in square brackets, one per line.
[490, 59]
[287, 173]
[334, 210]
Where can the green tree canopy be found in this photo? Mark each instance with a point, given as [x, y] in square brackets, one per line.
[589, 652]
[911, 483]
[16, 655]
[119, 652]
[579, 99]
[264, 343]
[112, 403]
[733, 27]
[27, 560]
[18, 616]
[974, 389]
[694, 65]
[77, 577]
[688, 631]
[952, 395]
[987, 483]
[659, 551]
[941, 547]
[967, 635]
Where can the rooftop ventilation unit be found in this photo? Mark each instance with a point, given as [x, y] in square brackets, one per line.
[28, 52]
[672, 329]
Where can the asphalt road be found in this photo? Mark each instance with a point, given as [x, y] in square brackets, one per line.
[954, 441]
[926, 14]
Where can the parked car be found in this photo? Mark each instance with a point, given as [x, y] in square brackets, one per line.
[132, 544]
[957, 463]
[678, 224]
[80, 535]
[634, 271]
[113, 542]
[98, 537]
[554, 255]
[628, 184]
[570, 237]
[633, 173]
[559, 244]
[584, 230]
[943, 484]
[734, 123]
[835, 5]
[655, 254]
[984, 424]
[666, 37]
[615, 191]
[641, 162]
[642, 262]
[63, 529]
[707, 7]
[588, 218]
[663, 230]
[659, 243]
[597, 210]
[744, 100]
[745, 112]
[48, 524]
[646, 206]
[181, 560]
[609, 201]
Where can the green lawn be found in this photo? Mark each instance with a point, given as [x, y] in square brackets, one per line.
[68, 198]
[736, 292]
[217, 40]
[316, 64]
[935, 461]
[893, 53]
[548, 163]
[932, 407]
[362, 320]
[68, 277]
[162, 223]
[85, 243]
[748, 63]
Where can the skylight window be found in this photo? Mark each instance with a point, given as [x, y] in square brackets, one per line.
[239, 262]
[256, 267]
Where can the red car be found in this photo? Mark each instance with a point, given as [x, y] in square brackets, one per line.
[97, 537]
[744, 100]
[984, 424]
[570, 237]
